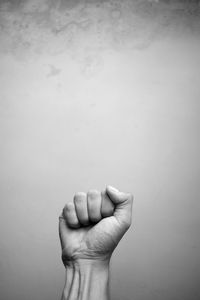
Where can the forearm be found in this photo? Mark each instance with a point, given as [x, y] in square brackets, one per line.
[87, 280]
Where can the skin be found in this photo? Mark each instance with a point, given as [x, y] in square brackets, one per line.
[90, 227]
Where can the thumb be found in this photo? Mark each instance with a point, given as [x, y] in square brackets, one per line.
[123, 205]
[115, 195]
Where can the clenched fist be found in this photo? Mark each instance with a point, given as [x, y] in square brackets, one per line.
[91, 225]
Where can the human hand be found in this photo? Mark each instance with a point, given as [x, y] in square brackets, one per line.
[91, 226]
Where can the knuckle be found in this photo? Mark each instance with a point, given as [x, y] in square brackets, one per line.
[93, 193]
[79, 195]
[79, 198]
[68, 207]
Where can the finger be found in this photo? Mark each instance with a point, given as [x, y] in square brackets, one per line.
[94, 205]
[80, 202]
[70, 216]
[107, 207]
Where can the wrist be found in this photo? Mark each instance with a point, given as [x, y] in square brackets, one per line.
[87, 280]
[86, 263]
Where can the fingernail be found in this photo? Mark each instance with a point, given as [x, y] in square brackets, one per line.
[112, 189]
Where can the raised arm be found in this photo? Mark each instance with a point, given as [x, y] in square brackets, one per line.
[90, 228]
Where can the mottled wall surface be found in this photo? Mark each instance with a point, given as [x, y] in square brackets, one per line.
[95, 93]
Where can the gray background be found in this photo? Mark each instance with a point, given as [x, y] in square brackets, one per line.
[95, 93]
